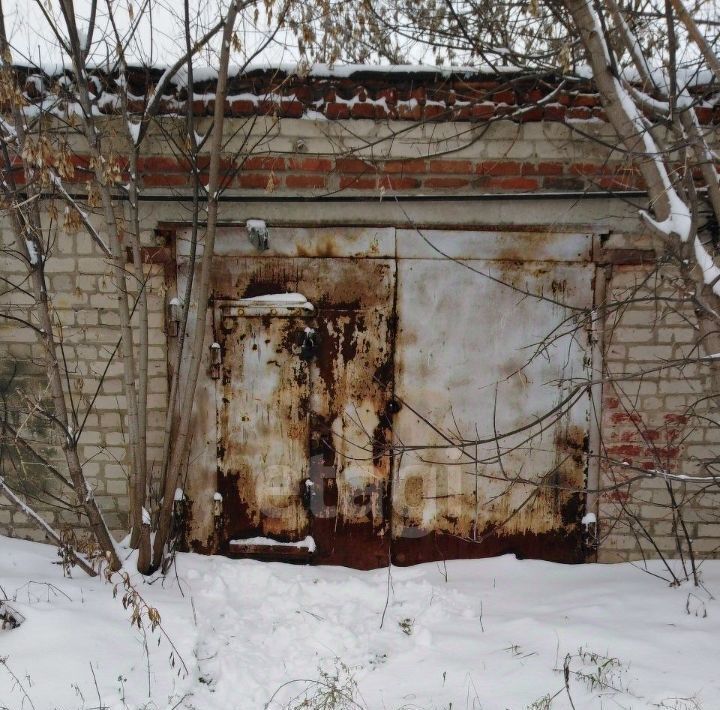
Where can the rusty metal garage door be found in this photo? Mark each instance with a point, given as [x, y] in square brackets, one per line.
[303, 400]
[486, 346]
[364, 411]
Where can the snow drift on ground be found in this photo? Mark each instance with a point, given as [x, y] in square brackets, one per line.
[491, 634]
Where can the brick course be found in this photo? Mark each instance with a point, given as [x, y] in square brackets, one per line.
[375, 95]
[272, 172]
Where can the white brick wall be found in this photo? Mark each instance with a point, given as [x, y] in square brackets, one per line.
[83, 302]
[658, 420]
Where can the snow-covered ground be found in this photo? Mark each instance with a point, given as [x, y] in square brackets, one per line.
[491, 634]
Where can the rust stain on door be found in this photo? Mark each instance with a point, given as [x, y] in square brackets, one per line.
[467, 366]
[415, 354]
[262, 423]
[301, 424]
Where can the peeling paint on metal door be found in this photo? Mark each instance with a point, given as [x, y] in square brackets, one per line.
[469, 366]
[263, 395]
[317, 423]
[351, 402]
[367, 443]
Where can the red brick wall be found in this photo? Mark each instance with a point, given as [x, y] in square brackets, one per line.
[326, 174]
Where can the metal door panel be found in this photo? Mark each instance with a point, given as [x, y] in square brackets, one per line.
[468, 366]
[494, 245]
[263, 395]
[324, 420]
[351, 395]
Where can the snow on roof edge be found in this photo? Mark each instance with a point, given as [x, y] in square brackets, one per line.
[205, 73]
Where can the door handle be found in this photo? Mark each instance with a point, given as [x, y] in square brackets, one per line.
[309, 345]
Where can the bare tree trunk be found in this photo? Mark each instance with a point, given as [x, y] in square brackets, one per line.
[60, 410]
[622, 113]
[141, 472]
[170, 415]
[688, 133]
[27, 230]
[103, 178]
[697, 37]
[139, 490]
[181, 442]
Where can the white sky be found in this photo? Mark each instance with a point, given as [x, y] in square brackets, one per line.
[156, 39]
[153, 33]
